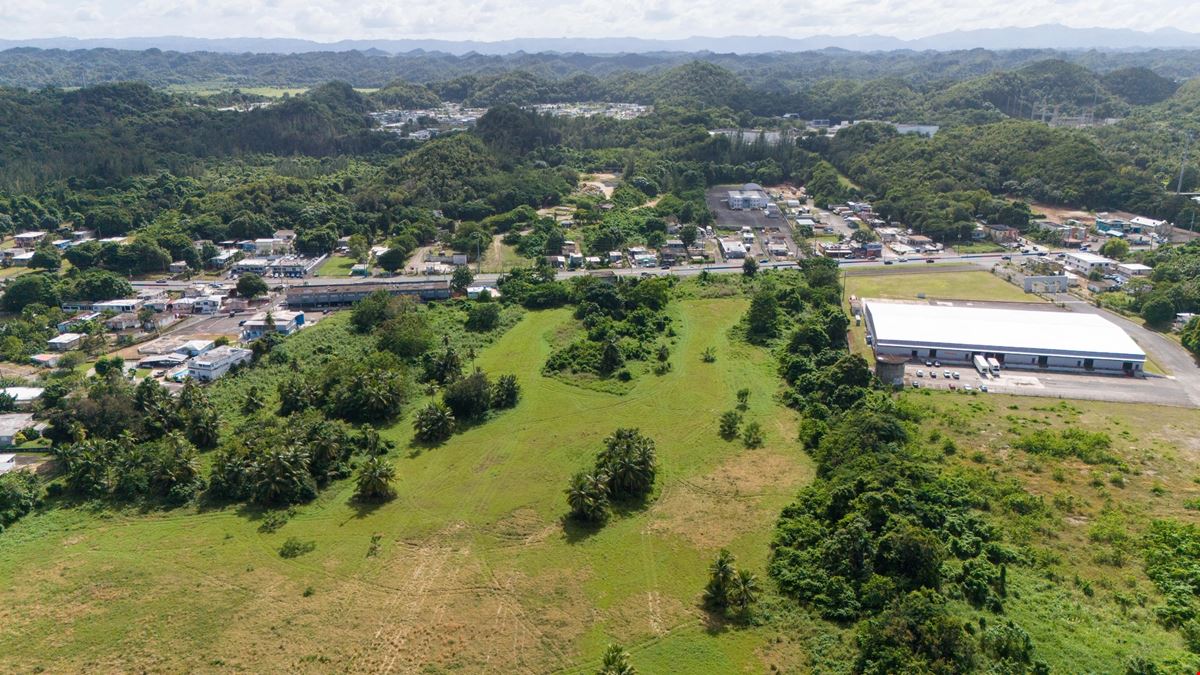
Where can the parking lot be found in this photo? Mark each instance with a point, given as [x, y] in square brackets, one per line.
[1149, 389]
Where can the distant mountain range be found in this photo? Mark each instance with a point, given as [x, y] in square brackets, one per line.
[1037, 37]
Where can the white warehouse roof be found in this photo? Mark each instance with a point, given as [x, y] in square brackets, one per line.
[1011, 331]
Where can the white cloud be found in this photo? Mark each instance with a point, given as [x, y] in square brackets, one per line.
[499, 19]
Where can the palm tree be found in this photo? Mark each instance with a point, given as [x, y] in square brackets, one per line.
[434, 424]
[743, 591]
[629, 460]
[615, 662]
[720, 577]
[375, 478]
[731, 420]
[588, 497]
[281, 476]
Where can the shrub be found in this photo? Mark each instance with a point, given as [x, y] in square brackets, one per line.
[469, 398]
[505, 392]
[752, 435]
[294, 548]
[731, 422]
[483, 317]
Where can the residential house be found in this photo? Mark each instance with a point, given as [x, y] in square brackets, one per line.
[732, 248]
[195, 347]
[285, 323]
[76, 321]
[122, 322]
[223, 259]
[23, 397]
[216, 362]
[178, 267]
[23, 259]
[208, 304]
[29, 240]
[65, 342]
[12, 424]
[119, 306]
[45, 360]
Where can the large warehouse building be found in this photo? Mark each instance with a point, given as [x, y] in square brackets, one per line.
[1016, 338]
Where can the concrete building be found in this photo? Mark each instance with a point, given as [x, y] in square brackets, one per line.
[11, 424]
[216, 362]
[1016, 338]
[751, 196]
[335, 295]
[1131, 270]
[259, 266]
[732, 249]
[295, 267]
[65, 342]
[285, 322]
[1049, 283]
[29, 240]
[208, 304]
[23, 397]
[1084, 263]
[120, 306]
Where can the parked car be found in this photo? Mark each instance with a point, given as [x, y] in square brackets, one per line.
[888, 262]
[966, 387]
[946, 374]
[983, 388]
[929, 260]
[929, 364]
[916, 385]
[956, 375]
[920, 373]
[1006, 257]
[933, 374]
[901, 259]
[937, 364]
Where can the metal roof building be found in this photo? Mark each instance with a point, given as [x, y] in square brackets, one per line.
[1015, 337]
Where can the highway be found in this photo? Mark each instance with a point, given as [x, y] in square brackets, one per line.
[876, 266]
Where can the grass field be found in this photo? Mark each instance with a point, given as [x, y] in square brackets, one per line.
[474, 572]
[979, 247]
[971, 285]
[336, 266]
[1077, 630]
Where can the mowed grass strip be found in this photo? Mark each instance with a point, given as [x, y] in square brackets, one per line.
[972, 285]
[474, 570]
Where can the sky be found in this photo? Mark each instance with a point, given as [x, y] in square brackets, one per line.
[331, 20]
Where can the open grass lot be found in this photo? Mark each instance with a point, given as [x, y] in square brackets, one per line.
[336, 266]
[1092, 607]
[475, 572]
[971, 285]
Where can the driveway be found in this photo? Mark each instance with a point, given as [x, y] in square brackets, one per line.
[1179, 364]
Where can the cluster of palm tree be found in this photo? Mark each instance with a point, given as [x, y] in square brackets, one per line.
[730, 588]
[625, 470]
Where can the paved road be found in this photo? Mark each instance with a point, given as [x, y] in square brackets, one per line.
[1171, 356]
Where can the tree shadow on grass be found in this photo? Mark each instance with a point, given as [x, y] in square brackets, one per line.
[576, 531]
[631, 506]
[364, 508]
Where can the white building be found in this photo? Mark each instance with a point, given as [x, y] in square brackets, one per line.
[1131, 270]
[208, 304]
[731, 248]
[120, 306]
[1016, 338]
[29, 239]
[216, 362]
[259, 266]
[751, 196]
[1084, 263]
[285, 322]
[23, 396]
[11, 424]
